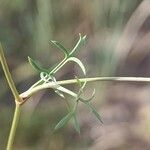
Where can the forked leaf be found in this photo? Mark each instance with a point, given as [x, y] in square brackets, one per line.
[60, 47]
[76, 60]
[64, 120]
[76, 123]
[94, 111]
[79, 43]
[36, 65]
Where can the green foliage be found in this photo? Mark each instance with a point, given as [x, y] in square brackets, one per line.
[60, 47]
[36, 65]
[94, 111]
[76, 123]
[77, 61]
[47, 76]
[64, 120]
[79, 43]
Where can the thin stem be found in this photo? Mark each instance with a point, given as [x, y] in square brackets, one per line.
[26, 95]
[59, 66]
[76, 46]
[17, 97]
[35, 84]
[13, 127]
[8, 75]
[121, 79]
[51, 72]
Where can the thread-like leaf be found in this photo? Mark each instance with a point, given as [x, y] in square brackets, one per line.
[45, 77]
[59, 93]
[89, 99]
[36, 65]
[79, 43]
[65, 90]
[81, 88]
[94, 111]
[76, 60]
[60, 47]
[64, 120]
[83, 38]
[86, 102]
[76, 123]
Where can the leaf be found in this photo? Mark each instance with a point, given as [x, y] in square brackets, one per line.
[59, 93]
[76, 123]
[76, 60]
[82, 87]
[65, 90]
[49, 78]
[45, 77]
[80, 41]
[60, 47]
[94, 111]
[89, 99]
[83, 38]
[36, 65]
[64, 120]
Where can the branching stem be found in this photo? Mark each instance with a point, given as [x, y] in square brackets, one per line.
[26, 95]
[20, 99]
[17, 99]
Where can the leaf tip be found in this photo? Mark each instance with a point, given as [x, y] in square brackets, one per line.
[84, 37]
[30, 59]
[52, 41]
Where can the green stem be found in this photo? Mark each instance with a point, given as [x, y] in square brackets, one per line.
[18, 99]
[27, 94]
[51, 72]
[13, 127]
[8, 75]
[59, 66]
[36, 83]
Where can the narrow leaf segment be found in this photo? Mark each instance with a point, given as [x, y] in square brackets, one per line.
[47, 76]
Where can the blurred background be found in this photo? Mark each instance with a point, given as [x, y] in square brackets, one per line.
[118, 44]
